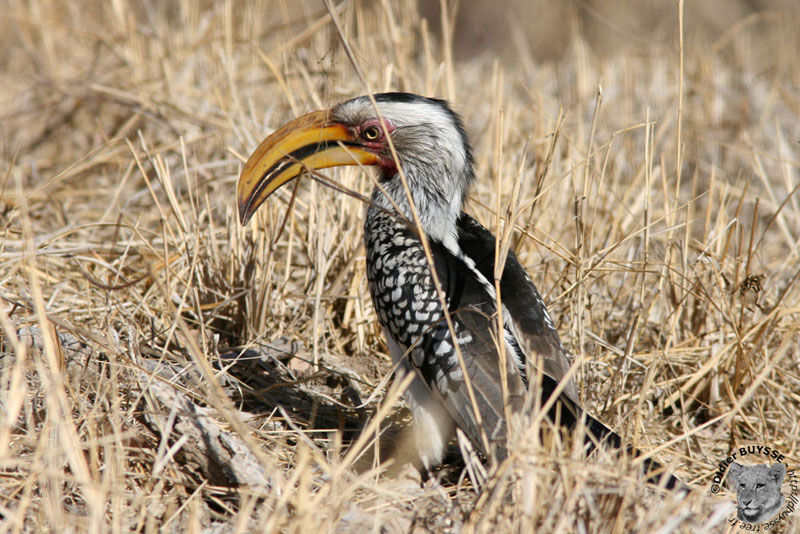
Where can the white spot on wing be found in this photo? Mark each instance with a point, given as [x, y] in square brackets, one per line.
[443, 347]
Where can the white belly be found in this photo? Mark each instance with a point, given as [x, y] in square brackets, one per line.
[433, 426]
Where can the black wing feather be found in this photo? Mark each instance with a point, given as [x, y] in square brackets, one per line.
[533, 330]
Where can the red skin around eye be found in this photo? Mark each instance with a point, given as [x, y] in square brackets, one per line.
[379, 146]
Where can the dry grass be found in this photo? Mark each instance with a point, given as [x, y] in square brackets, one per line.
[662, 228]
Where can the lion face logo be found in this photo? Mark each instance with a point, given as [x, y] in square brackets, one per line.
[758, 490]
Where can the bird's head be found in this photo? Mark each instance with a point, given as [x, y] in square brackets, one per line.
[428, 137]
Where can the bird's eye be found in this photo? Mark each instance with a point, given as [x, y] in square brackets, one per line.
[371, 133]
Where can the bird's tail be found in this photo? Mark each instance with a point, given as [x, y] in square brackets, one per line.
[567, 413]
[599, 434]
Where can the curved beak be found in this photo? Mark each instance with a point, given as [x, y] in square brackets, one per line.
[307, 143]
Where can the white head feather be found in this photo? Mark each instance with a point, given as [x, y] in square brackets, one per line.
[434, 155]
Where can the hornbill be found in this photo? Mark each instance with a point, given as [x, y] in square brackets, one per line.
[458, 379]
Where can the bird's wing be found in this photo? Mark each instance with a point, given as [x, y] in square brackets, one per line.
[534, 333]
[473, 313]
[532, 326]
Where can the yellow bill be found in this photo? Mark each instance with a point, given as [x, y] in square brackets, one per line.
[307, 143]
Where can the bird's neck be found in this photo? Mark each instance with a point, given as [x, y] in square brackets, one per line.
[438, 212]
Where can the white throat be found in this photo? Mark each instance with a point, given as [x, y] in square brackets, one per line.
[437, 216]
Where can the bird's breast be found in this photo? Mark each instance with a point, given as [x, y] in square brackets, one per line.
[399, 279]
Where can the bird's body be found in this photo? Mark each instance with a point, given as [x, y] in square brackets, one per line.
[471, 372]
[408, 305]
